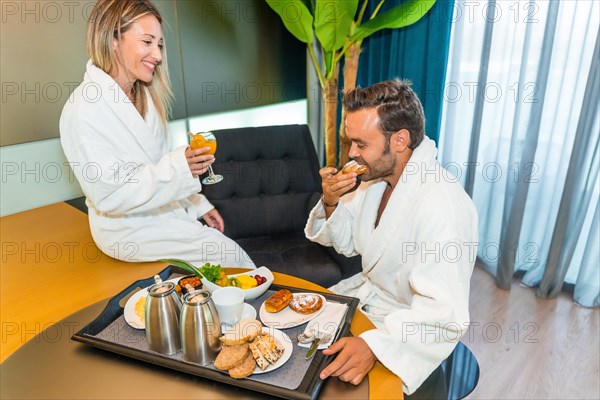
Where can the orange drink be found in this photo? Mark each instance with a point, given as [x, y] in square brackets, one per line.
[206, 139]
[199, 141]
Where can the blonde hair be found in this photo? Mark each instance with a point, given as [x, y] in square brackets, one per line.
[108, 21]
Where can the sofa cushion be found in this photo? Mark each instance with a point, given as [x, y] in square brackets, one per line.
[271, 180]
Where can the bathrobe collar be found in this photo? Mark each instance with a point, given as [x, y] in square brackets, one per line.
[111, 94]
[400, 203]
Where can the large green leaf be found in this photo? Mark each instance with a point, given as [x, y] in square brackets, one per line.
[183, 265]
[296, 17]
[332, 22]
[400, 16]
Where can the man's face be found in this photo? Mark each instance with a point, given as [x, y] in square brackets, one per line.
[369, 146]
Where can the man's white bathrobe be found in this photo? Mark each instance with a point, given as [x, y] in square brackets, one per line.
[143, 200]
[416, 263]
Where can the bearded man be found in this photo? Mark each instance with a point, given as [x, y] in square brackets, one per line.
[416, 230]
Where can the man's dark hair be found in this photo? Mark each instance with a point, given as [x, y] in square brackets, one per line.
[398, 107]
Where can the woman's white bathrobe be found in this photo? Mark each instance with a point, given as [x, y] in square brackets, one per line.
[416, 264]
[143, 200]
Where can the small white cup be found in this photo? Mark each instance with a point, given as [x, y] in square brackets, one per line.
[230, 304]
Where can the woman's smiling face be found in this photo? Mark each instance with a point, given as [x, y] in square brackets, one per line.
[139, 52]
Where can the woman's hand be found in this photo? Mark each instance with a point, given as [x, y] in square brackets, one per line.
[214, 220]
[197, 161]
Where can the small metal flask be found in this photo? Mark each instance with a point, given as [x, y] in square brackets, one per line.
[162, 318]
[200, 328]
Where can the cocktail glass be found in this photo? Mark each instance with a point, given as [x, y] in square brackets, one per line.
[207, 139]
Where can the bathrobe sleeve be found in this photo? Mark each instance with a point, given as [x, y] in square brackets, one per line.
[117, 186]
[201, 204]
[334, 232]
[415, 340]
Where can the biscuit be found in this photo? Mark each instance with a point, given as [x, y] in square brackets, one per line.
[269, 347]
[258, 356]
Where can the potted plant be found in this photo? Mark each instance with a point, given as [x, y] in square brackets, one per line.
[339, 30]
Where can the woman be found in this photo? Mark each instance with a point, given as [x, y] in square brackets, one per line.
[142, 198]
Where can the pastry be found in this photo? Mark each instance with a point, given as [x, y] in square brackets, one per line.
[278, 301]
[306, 303]
[353, 166]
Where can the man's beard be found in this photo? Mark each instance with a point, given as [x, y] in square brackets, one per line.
[383, 167]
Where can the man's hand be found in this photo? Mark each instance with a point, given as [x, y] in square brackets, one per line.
[214, 220]
[353, 363]
[197, 161]
[335, 186]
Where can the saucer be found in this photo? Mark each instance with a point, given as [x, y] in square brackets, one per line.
[247, 312]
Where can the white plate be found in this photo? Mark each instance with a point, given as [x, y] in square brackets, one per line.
[286, 342]
[288, 318]
[248, 312]
[129, 311]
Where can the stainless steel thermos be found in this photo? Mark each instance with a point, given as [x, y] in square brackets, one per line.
[163, 309]
[200, 328]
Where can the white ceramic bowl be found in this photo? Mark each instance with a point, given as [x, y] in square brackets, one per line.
[249, 294]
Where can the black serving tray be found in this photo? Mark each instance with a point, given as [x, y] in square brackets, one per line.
[309, 387]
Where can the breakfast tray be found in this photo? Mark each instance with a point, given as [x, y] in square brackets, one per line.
[109, 331]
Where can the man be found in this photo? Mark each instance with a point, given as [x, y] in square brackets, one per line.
[416, 230]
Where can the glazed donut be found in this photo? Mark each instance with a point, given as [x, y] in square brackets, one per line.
[306, 303]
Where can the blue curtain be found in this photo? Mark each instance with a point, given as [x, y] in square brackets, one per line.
[418, 52]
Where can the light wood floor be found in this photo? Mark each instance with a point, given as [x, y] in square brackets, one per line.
[532, 348]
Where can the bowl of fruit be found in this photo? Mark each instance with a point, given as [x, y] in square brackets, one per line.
[254, 282]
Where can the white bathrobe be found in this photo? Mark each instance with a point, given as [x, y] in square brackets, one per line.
[142, 198]
[416, 263]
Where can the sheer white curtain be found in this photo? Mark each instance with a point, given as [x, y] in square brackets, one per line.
[520, 129]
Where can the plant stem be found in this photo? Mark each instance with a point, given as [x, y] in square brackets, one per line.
[377, 9]
[362, 12]
[316, 64]
[343, 51]
[330, 74]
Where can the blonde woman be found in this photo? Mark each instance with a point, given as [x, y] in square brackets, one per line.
[142, 197]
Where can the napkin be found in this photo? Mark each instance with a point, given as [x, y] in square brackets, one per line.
[328, 321]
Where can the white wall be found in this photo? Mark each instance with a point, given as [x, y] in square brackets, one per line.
[36, 174]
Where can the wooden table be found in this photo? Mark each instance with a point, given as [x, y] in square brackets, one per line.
[51, 268]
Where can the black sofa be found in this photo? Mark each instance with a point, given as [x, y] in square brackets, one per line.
[271, 184]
